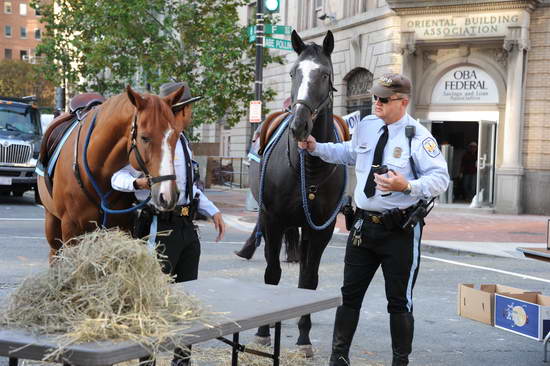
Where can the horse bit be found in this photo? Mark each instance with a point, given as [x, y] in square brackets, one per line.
[141, 162]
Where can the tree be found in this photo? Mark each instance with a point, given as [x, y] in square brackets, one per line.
[19, 79]
[102, 45]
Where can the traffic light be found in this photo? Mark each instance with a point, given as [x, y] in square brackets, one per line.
[271, 6]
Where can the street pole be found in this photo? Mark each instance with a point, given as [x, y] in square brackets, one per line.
[259, 48]
[251, 204]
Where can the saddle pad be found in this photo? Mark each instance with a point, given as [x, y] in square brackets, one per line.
[66, 129]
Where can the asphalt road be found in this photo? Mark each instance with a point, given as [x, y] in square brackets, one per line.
[441, 337]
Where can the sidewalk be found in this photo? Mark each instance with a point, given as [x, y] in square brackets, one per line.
[460, 231]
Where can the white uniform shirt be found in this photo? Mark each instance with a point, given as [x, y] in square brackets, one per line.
[123, 180]
[431, 167]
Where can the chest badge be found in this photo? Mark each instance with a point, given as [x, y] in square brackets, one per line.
[397, 152]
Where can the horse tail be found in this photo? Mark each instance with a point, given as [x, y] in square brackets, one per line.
[292, 244]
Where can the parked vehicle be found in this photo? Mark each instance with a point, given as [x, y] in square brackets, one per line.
[20, 136]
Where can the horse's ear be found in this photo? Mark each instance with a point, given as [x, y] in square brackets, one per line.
[328, 43]
[297, 42]
[174, 98]
[136, 98]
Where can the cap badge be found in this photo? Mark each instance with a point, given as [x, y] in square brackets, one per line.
[385, 81]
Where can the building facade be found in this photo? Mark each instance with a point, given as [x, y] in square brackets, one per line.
[21, 30]
[480, 74]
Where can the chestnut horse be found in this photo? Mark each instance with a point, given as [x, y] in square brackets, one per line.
[126, 128]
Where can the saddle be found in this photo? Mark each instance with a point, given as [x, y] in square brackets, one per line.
[274, 120]
[78, 105]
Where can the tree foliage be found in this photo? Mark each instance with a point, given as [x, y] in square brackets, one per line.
[19, 79]
[102, 45]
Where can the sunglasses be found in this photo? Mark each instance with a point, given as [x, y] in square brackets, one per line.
[384, 100]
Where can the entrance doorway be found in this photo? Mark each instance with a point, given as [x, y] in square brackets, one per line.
[469, 148]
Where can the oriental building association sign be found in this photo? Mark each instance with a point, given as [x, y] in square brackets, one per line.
[465, 84]
[473, 25]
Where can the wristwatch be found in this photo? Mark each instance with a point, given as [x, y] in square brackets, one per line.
[408, 189]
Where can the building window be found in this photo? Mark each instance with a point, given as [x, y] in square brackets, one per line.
[7, 31]
[7, 53]
[309, 13]
[354, 7]
[359, 98]
[37, 34]
[23, 9]
[37, 11]
[251, 13]
[23, 32]
[7, 7]
[24, 55]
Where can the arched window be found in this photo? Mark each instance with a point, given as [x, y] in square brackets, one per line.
[359, 98]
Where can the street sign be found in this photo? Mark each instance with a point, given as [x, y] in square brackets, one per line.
[255, 111]
[269, 29]
[277, 29]
[279, 44]
[352, 120]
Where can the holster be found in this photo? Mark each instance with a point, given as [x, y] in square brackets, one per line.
[392, 219]
[349, 214]
[142, 223]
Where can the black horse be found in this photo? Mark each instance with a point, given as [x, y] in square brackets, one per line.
[281, 202]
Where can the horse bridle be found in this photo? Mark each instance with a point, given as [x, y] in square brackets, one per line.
[315, 111]
[141, 162]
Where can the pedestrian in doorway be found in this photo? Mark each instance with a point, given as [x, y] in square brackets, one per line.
[469, 171]
[384, 202]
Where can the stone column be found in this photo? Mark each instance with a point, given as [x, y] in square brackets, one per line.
[408, 52]
[510, 173]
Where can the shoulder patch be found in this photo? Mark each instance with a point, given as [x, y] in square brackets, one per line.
[430, 146]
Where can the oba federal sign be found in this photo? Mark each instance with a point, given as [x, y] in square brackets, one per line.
[465, 84]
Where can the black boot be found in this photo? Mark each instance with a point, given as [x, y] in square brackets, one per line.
[182, 357]
[402, 330]
[344, 329]
[248, 249]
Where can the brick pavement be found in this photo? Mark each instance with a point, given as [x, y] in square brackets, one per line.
[443, 224]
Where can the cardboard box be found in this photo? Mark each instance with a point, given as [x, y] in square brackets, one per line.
[527, 314]
[479, 304]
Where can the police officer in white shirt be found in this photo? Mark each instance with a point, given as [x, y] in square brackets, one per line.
[384, 203]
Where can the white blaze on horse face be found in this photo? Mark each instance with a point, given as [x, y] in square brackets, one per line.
[166, 166]
[306, 67]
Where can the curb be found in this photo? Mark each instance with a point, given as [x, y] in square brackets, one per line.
[429, 248]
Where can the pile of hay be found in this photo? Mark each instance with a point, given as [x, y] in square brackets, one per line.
[103, 286]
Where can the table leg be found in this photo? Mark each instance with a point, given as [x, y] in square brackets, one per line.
[13, 361]
[277, 345]
[545, 341]
[235, 350]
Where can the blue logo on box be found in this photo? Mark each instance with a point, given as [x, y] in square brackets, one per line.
[517, 316]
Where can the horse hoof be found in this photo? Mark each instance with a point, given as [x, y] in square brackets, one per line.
[306, 350]
[262, 341]
[242, 255]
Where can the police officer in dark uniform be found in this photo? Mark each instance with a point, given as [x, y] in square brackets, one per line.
[182, 246]
[385, 202]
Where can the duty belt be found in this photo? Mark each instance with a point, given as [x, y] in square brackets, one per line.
[370, 216]
[178, 211]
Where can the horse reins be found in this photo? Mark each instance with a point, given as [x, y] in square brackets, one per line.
[141, 162]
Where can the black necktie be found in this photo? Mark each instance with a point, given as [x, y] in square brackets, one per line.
[188, 170]
[376, 161]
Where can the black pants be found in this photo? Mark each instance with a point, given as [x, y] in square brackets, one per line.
[398, 251]
[182, 247]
